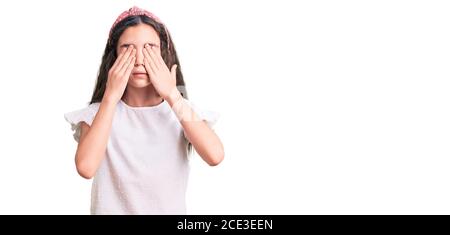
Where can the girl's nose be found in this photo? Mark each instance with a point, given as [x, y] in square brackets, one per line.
[139, 57]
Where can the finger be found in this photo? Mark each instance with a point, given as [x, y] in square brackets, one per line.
[130, 67]
[150, 60]
[149, 69]
[154, 55]
[173, 71]
[126, 64]
[119, 58]
[158, 55]
[122, 52]
[126, 58]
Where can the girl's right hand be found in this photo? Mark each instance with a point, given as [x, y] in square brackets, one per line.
[119, 74]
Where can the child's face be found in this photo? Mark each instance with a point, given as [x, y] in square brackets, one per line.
[138, 36]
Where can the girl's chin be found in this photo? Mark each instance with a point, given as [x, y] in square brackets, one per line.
[139, 83]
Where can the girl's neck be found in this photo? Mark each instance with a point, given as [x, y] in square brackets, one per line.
[141, 97]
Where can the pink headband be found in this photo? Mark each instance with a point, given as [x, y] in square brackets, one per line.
[136, 11]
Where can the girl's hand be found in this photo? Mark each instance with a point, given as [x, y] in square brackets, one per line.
[119, 74]
[162, 79]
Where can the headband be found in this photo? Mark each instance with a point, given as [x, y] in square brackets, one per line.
[136, 11]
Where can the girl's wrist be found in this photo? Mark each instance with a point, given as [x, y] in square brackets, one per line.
[109, 101]
[174, 97]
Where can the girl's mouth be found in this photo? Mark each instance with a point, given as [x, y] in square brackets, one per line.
[140, 74]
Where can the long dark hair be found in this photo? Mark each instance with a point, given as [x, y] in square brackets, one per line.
[168, 53]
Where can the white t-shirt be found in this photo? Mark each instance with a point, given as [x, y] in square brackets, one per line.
[146, 168]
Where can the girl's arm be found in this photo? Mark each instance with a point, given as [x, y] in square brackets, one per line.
[204, 140]
[93, 140]
[199, 134]
[92, 145]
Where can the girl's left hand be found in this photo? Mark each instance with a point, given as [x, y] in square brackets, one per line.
[162, 79]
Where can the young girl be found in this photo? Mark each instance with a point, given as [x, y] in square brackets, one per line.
[134, 136]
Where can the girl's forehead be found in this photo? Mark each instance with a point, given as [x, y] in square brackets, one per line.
[141, 33]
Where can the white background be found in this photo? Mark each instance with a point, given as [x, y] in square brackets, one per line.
[327, 107]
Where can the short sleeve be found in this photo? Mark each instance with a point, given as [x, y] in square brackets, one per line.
[75, 118]
[211, 117]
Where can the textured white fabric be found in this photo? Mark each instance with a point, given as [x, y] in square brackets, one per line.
[145, 170]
